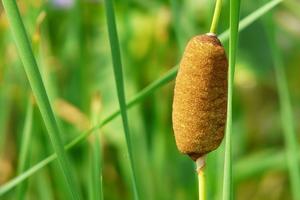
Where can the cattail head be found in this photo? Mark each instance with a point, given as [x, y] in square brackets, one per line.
[200, 97]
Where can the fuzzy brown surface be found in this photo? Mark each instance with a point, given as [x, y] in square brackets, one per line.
[200, 97]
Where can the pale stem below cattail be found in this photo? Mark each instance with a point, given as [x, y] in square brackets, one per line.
[200, 164]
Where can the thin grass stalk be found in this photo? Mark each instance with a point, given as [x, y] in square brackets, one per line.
[216, 16]
[44, 190]
[286, 112]
[253, 16]
[23, 163]
[118, 73]
[233, 40]
[37, 85]
[97, 188]
[5, 93]
[166, 78]
[96, 179]
[5, 108]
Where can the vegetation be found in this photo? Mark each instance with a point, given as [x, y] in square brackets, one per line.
[102, 76]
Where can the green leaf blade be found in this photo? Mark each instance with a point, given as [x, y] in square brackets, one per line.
[233, 40]
[38, 88]
[24, 150]
[118, 73]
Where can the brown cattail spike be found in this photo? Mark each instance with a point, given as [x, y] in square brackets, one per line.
[200, 97]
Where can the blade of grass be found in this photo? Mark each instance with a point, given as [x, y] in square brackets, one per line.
[24, 150]
[166, 78]
[253, 16]
[44, 190]
[96, 186]
[5, 108]
[140, 96]
[36, 83]
[5, 94]
[233, 40]
[286, 111]
[118, 73]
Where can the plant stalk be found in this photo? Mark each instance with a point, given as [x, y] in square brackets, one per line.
[217, 13]
[233, 39]
[34, 76]
[200, 163]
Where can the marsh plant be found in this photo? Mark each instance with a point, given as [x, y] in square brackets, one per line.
[93, 93]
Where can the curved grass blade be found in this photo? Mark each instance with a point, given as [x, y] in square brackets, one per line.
[118, 73]
[233, 40]
[253, 17]
[286, 112]
[166, 78]
[37, 85]
[24, 150]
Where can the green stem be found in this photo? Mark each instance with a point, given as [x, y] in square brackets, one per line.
[253, 17]
[96, 161]
[233, 39]
[118, 74]
[24, 150]
[217, 13]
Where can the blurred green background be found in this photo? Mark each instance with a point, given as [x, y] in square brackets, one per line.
[70, 42]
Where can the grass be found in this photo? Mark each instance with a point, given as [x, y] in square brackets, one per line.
[24, 157]
[118, 73]
[286, 111]
[96, 175]
[4, 103]
[254, 16]
[166, 78]
[96, 185]
[171, 175]
[233, 41]
[36, 83]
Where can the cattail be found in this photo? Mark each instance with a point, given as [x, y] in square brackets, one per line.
[200, 97]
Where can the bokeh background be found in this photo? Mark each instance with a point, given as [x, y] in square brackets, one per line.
[71, 45]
